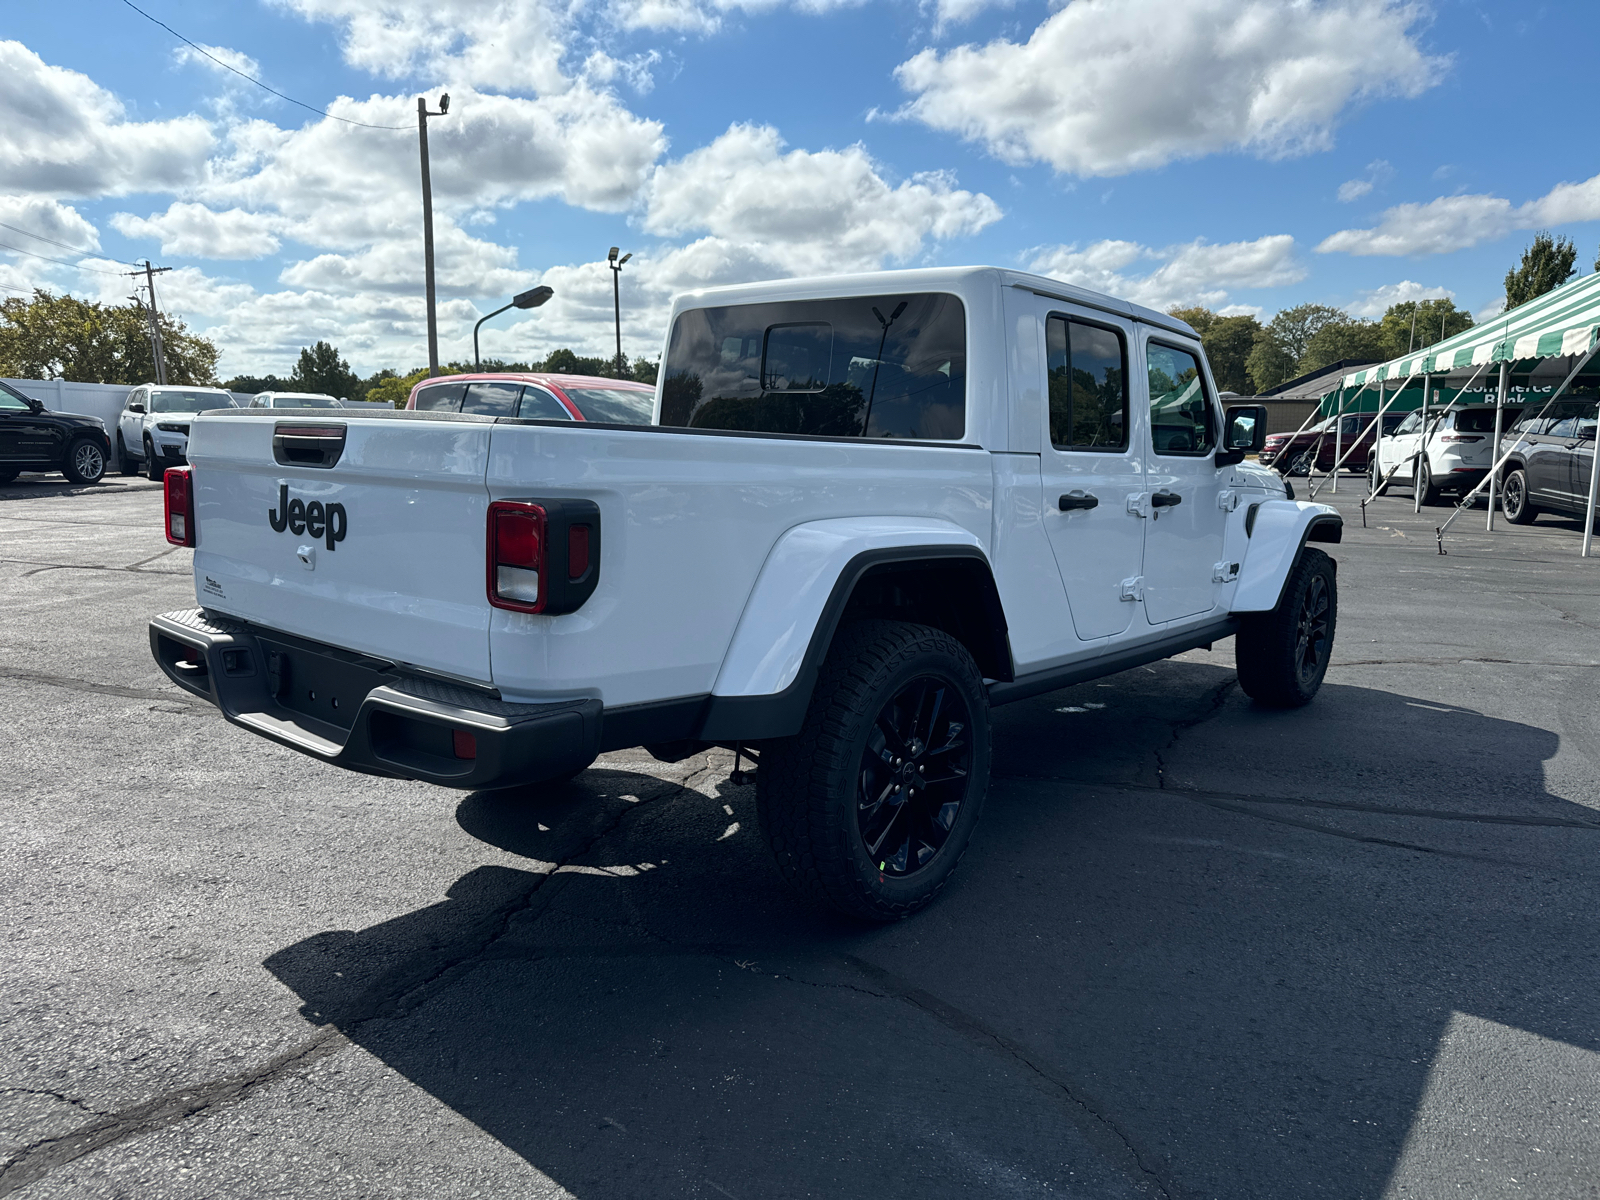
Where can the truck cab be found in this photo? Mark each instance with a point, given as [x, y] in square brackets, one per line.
[875, 504]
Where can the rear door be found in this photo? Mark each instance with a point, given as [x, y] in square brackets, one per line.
[1091, 463]
[1549, 467]
[1183, 535]
[1582, 462]
[381, 552]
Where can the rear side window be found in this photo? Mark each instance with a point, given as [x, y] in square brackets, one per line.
[441, 397]
[1180, 413]
[864, 366]
[1481, 420]
[613, 406]
[490, 399]
[1088, 366]
[540, 405]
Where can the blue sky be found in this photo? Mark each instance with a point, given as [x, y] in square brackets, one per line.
[1245, 156]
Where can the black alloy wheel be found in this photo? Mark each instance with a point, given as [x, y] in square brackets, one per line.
[869, 808]
[125, 462]
[86, 462]
[913, 776]
[1283, 655]
[1514, 498]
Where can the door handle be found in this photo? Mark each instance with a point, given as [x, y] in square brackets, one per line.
[1077, 499]
[1165, 499]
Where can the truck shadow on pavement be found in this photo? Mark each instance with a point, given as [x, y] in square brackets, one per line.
[1141, 982]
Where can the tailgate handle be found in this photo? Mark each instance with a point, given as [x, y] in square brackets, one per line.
[307, 445]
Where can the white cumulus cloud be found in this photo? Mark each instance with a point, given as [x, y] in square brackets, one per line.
[1105, 87]
[1376, 302]
[1197, 272]
[195, 231]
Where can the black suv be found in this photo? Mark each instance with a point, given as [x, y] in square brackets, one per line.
[32, 439]
[1549, 466]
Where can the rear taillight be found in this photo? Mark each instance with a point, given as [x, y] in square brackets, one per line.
[1461, 437]
[178, 489]
[543, 556]
[517, 546]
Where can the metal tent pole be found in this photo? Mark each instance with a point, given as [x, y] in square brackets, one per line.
[1378, 420]
[1499, 407]
[1594, 486]
[1338, 447]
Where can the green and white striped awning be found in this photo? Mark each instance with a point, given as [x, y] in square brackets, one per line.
[1564, 321]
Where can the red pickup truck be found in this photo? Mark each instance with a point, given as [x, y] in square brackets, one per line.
[1293, 453]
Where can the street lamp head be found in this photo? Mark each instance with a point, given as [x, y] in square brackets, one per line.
[624, 259]
[612, 257]
[444, 104]
[534, 297]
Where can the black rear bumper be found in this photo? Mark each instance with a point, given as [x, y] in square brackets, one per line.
[368, 715]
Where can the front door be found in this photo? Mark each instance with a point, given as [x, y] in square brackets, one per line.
[14, 411]
[1091, 465]
[131, 424]
[1183, 534]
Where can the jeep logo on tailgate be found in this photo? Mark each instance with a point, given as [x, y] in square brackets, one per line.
[326, 521]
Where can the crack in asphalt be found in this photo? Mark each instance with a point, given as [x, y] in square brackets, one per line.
[1452, 662]
[1100, 1129]
[41, 568]
[1218, 699]
[75, 1101]
[37, 1159]
[102, 689]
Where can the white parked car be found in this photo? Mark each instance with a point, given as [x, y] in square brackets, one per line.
[153, 430]
[1460, 451]
[294, 400]
[873, 508]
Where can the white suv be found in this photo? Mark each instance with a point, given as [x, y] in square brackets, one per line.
[1460, 451]
[153, 430]
[294, 400]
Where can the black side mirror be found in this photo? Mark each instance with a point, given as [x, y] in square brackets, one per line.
[1244, 431]
[136, 407]
[36, 405]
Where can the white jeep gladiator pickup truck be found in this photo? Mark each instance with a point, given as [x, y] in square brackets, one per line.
[869, 509]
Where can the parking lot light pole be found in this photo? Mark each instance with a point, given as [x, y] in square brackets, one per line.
[529, 299]
[427, 223]
[616, 302]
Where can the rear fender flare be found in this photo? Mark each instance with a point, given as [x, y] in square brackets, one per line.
[1279, 529]
[789, 620]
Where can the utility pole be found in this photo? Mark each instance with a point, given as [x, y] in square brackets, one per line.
[153, 316]
[427, 223]
[616, 304]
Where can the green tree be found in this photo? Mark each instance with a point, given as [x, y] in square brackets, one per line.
[1198, 317]
[250, 385]
[1431, 317]
[1228, 342]
[320, 369]
[1347, 337]
[46, 336]
[1277, 352]
[565, 362]
[1545, 265]
[396, 389]
[644, 371]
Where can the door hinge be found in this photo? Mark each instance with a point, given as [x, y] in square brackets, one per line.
[1224, 572]
[1133, 589]
[1227, 499]
[1139, 504]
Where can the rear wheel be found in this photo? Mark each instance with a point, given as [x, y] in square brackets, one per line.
[1375, 484]
[869, 808]
[152, 462]
[1426, 489]
[85, 461]
[1282, 655]
[7, 474]
[1514, 499]
[125, 462]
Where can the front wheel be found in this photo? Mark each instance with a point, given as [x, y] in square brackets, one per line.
[85, 462]
[1514, 499]
[869, 808]
[1375, 484]
[1282, 655]
[1301, 464]
[125, 463]
[153, 470]
[1427, 491]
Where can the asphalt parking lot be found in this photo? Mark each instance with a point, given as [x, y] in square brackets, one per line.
[1199, 949]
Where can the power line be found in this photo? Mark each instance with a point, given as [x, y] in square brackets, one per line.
[52, 241]
[202, 50]
[62, 261]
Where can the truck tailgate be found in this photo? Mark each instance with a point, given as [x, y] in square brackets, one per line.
[391, 560]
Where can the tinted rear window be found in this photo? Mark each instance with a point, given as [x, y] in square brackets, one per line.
[867, 366]
[190, 402]
[1481, 420]
[612, 406]
[441, 397]
[490, 399]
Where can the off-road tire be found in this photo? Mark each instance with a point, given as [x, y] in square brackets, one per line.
[1427, 490]
[85, 462]
[153, 470]
[1277, 667]
[807, 786]
[125, 461]
[1375, 484]
[1514, 502]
